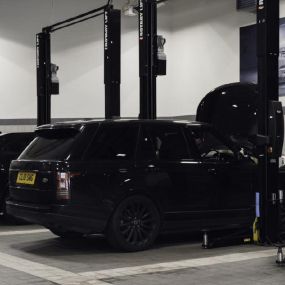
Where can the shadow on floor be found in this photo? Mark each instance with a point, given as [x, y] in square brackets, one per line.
[50, 246]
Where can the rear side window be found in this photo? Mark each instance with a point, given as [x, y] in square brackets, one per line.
[162, 142]
[113, 142]
[51, 145]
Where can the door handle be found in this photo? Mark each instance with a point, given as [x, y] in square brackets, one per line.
[152, 168]
[212, 171]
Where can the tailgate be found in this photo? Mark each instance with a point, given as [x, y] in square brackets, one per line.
[33, 182]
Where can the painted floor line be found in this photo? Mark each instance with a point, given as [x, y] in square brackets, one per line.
[177, 265]
[64, 277]
[23, 232]
[46, 272]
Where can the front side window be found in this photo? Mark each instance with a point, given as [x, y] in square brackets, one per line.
[210, 146]
[162, 142]
[113, 142]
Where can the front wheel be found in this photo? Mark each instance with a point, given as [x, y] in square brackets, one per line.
[134, 225]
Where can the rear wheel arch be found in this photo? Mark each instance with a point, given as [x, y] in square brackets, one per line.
[140, 192]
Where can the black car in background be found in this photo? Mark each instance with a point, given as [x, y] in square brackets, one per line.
[11, 146]
[131, 180]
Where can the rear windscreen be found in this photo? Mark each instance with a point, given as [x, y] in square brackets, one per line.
[51, 145]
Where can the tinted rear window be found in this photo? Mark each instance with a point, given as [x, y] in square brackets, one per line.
[113, 142]
[51, 145]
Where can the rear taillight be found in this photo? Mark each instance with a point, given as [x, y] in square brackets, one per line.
[63, 186]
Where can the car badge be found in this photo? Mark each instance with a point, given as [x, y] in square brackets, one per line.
[45, 180]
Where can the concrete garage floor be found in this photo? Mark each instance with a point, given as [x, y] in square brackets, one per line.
[31, 255]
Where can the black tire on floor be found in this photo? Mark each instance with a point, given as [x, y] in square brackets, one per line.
[135, 224]
[66, 234]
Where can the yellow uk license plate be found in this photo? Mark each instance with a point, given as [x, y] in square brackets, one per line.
[26, 178]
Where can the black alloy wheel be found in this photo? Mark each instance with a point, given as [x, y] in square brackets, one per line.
[134, 225]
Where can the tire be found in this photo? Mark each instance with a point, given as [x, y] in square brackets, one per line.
[66, 234]
[135, 224]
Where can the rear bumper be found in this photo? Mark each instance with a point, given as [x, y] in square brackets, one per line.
[45, 216]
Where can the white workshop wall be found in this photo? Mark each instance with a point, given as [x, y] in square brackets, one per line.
[205, 44]
[204, 52]
[202, 47]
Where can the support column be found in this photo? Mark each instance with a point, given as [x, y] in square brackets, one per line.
[268, 87]
[112, 62]
[148, 57]
[43, 79]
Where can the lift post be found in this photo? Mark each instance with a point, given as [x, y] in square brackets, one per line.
[268, 85]
[148, 57]
[43, 78]
[112, 62]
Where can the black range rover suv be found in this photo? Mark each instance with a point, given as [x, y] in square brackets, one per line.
[131, 180]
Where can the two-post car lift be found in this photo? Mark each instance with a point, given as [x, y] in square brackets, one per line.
[271, 197]
[151, 59]
[112, 62]
[268, 42]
